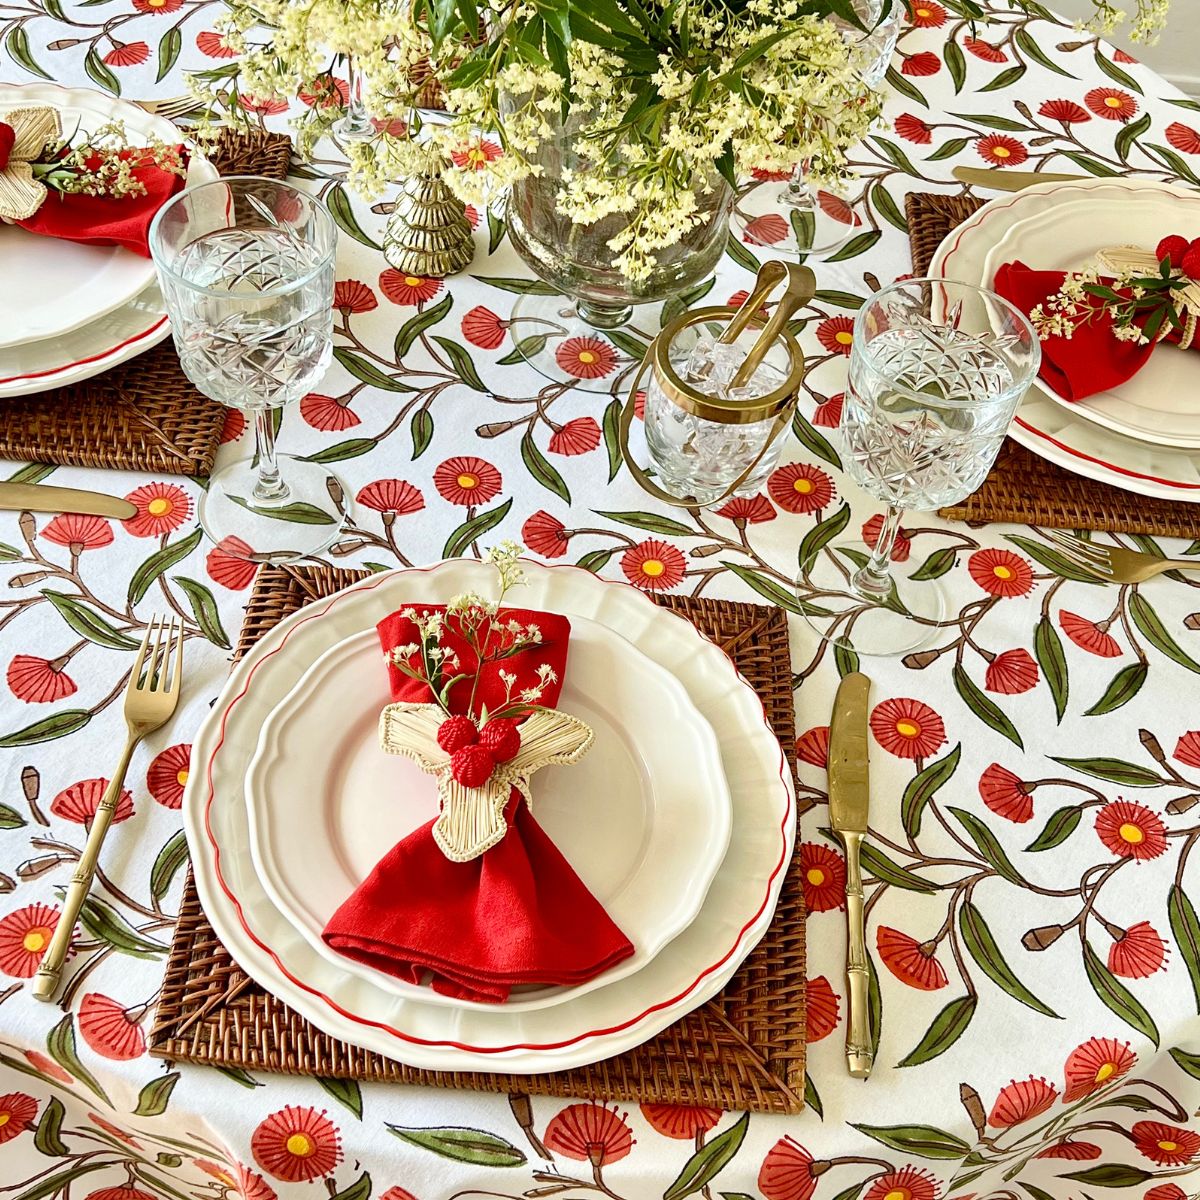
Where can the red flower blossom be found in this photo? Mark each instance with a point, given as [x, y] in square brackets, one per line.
[679, 1121]
[909, 960]
[984, 50]
[481, 327]
[1166, 1145]
[766, 230]
[24, 936]
[469, 211]
[909, 1183]
[331, 413]
[161, 508]
[922, 64]
[297, 1144]
[1001, 150]
[265, 108]
[823, 876]
[17, 1112]
[326, 92]
[233, 427]
[812, 747]
[837, 208]
[1022, 1101]
[578, 436]
[391, 495]
[821, 1009]
[158, 6]
[1071, 1151]
[476, 155]
[907, 728]
[1131, 830]
[763, 175]
[754, 510]
[407, 289]
[39, 680]
[1089, 636]
[545, 535]
[1066, 111]
[836, 334]
[901, 547]
[1097, 1062]
[467, 480]
[1187, 749]
[77, 532]
[397, 1193]
[80, 801]
[127, 54]
[799, 488]
[1184, 138]
[46, 1066]
[786, 1172]
[248, 1185]
[1011, 673]
[229, 564]
[212, 45]
[123, 1192]
[1111, 103]
[828, 414]
[1120, 56]
[106, 1026]
[353, 296]
[1005, 794]
[1001, 572]
[586, 357]
[167, 775]
[590, 1133]
[1165, 1191]
[1138, 952]
[653, 565]
[926, 15]
[913, 129]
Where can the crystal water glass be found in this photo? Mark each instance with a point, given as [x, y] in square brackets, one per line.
[936, 372]
[246, 268]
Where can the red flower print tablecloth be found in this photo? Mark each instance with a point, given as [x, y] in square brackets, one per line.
[1032, 873]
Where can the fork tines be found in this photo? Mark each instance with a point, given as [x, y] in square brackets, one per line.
[1084, 555]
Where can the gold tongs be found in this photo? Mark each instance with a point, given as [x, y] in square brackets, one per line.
[801, 286]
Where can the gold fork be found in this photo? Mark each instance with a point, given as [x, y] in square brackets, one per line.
[172, 108]
[150, 699]
[1114, 565]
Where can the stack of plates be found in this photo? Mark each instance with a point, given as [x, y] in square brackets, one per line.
[69, 311]
[681, 820]
[1142, 436]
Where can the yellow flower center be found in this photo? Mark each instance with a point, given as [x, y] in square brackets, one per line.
[803, 486]
[1131, 833]
[300, 1144]
[157, 3]
[653, 567]
[182, 777]
[908, 729]
[898, 1194]
[1113, 101]
[4, 1119]
[1002, 152]
[156, 508]
[1002, 572]
[1168, 1146]
[35, 940]
[843, 337]
[413, 280]
[1105, 1071]
[586, 356]
[815, 876]
[477, 155]
[468, 481]
[921, 12]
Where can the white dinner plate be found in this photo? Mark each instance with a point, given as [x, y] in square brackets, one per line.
[644, 817]
[593, 1026]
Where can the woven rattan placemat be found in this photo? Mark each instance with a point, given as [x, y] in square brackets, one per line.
[1023, 488]
[145, 414]
[744, 1049]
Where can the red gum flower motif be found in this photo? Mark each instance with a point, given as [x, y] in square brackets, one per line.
[1087, 635]
[397, 1193]
[836, 334]
[1005, 794]
[228, 564]
[823, 877]
[296, 1144]
[905, 958]
[247, 1184]
[653, 565]
[158, 6]
[901, 547]
[467, 480]
[329, 413]
[926, 15]
[476, 155]
[812, 747]
[128, 54]
[579, 436]
[1001, 150]
[212, 45]
[17, 1113]
[233, 427]
[545, 535]
[483, 328]
[679, 1121]
[80, 801]
[586, 357]
[763, 175]
[327, 92]
[828, 414]
[766, 230]
[799, 488]
[922, 64]
[1011, 673]
[984, 50]
[1131, 830]
[161, 508]
[1184, 138]
[754, 510]
[1187, 749]
[391, 495]
[1138, 952]
[38, 680]
[24, 936]
[786, 1172]
[837, 208]
[1166, 1145]
[1071, 1151]
[78, 532]
[590, 1133]
[913, 129]
[266, 108]
[168, 775]
[407, 289]
[1111, 103]
[1166, 1191]
[909, 1183]
[1001, 572]
[821, 1009]
[1066, 111]
[908, 728]
[353, 296]
[1022, 1101]
[106, 1027]
[1097, 1062]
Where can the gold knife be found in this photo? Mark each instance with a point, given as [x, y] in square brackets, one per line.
[849, 799]
[1010, 181]
[41, 497]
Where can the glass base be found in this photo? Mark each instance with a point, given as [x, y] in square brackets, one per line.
[909, 620]
[301, 523]
[764, 220]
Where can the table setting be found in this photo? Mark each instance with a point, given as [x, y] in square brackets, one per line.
[697, 701]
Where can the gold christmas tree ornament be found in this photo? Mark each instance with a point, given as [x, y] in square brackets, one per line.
[428, 234]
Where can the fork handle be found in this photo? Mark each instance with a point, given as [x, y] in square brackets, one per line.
[45, 982]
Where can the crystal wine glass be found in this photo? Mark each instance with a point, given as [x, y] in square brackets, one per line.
[246, 269]
[936, 372]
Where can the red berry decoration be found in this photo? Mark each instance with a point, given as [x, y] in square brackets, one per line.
[1191, 261]
[8, 137]
[456, 732]
[502, 737]
[1174, 248]
[472, 766]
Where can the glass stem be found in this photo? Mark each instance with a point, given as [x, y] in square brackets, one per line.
[874, 581]
[356, 124]
[798, 194]
[268, 485]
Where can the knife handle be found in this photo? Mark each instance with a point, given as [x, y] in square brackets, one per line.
[859, 1055]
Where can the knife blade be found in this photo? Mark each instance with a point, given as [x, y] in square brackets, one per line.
[41, 497]
[849, 801]
[1010, 181]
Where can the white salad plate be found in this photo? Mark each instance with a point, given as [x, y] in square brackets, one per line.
[595, 1025]
[644, 817]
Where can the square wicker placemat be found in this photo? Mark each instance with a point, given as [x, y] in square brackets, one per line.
[743, 1049]
[1022, 488]
[145, 414]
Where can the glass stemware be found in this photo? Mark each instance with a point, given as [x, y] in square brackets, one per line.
[936, 372]
[246, 269]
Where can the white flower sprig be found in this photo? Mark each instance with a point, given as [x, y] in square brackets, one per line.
[104, 162]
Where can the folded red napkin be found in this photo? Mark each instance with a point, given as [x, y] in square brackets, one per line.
[1091, 360]
[517, 914]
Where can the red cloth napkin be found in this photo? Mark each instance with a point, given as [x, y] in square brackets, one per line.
[106, 220]
[518, 914]
[1091, 360]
